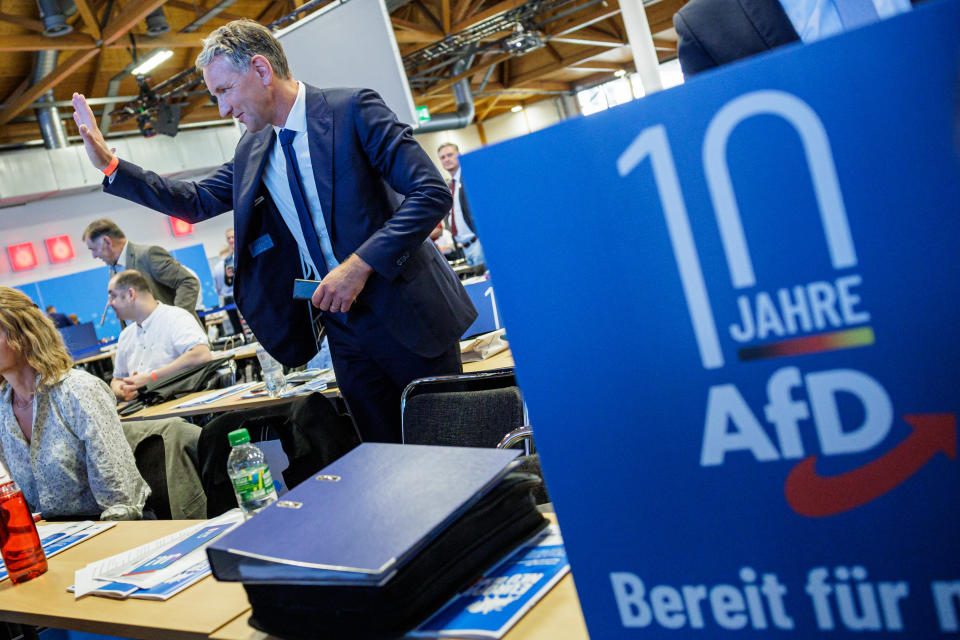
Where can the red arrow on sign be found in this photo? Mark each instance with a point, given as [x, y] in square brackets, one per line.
[810, 494]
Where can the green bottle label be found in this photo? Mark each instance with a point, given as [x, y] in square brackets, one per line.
[255, 485]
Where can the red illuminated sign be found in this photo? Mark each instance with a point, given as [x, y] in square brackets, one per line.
[22, 256]
[179, 227]
[59, 248]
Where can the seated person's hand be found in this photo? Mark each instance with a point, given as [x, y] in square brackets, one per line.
[128, 386]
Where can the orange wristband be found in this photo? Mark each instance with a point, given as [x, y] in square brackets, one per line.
[110, 168]
[153, 374]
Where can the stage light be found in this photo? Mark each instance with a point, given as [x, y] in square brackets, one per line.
[22, 256]
[151, 61]
[59, 249]
[179, 227]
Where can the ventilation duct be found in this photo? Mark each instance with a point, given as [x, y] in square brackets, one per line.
[51, 126]
[157, 23]
[54, 19]
[464, 100]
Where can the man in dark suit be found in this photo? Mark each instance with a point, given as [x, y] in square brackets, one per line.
[315, 195]
[716, 32]
[169, 280]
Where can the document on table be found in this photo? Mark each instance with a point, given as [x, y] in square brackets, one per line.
[217, 394]
[55, 538]
[316, 380]
[157, 562]
[483, 346]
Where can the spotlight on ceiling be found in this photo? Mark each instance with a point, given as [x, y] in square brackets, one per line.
[516, 108]
[54, 22]
[157, 23]
[151, 61]
[522, 40]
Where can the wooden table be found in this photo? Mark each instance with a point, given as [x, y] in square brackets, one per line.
[218, 610]
[556, 617]
[496, 361]
[194, 613]
[168, 409]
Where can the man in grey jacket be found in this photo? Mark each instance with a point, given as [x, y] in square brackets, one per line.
[169, 281]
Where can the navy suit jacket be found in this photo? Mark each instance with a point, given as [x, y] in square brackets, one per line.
[362, 158]
[714, 32]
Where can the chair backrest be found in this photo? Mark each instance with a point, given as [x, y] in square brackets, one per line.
[312, 431]
[149, 456]
[471, 410]
[166, 456]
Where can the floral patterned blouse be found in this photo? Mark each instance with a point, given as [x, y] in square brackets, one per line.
[78, 460]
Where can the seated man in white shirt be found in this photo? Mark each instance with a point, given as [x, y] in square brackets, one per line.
[159, 341]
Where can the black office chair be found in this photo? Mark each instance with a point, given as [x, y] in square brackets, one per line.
[472, 410]
[469, 410]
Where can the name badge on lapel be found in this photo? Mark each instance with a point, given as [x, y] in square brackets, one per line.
[261, 244]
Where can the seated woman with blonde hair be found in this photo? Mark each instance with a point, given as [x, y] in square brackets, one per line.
[60, 436]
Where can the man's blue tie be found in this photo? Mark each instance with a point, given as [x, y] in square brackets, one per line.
[856, 13]
[300, 201]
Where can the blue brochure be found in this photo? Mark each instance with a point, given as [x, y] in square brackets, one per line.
[499, 599]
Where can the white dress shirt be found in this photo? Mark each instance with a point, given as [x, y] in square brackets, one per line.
[275, 177]
[166, 334]
[816, 19]
[464, 232]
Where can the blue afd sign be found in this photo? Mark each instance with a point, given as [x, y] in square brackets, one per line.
[752, 425]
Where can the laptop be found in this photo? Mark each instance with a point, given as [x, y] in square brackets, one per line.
[81, 340]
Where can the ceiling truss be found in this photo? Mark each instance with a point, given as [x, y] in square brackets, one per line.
[571, 44]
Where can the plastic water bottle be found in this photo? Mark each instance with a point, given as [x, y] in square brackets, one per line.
[249, 474]
[19, 542]
[273, 378]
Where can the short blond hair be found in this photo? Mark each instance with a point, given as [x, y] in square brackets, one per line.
[31, 333]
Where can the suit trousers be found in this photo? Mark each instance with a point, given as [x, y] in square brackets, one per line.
[373, 369]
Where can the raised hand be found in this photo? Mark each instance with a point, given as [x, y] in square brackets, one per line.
[97, 150]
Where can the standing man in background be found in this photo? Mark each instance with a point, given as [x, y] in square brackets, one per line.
[460, 221]
[223, 274]
[313, 185]
[169, 281]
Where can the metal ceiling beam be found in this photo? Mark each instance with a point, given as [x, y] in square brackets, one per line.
[536, 74]
[443, 84]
